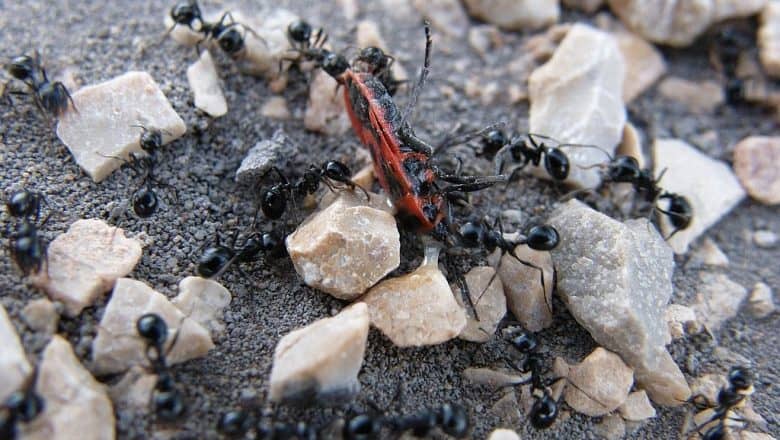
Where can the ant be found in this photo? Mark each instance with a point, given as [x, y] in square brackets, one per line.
[452, 419]
[730, 397]
[167, 399]
[227, 35]
[218, 258]
[237, 423]
[274, 201]
[525, 149]
[544, 411]
[27, 248]
[25, 203]
[51, 98]
[21, 406]
[379, 64]
[724, 54]
[299, 35]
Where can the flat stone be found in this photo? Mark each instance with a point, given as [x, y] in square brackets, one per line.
[492, 378]
[602, 382]
[118, 346]
[700, 97]
[611, 427]
[757, 165]
[681, 320]
[447, 16]
[263, 156]
[489, 301]
[768, 38]
[589, 6]
[322, 359]
[84, 263]
[717, 299]
[637, 407]
[708, 253]
[204, 82]
[205, 302]
[41, 316]
[762, 302]
[616, 280]
[103, 126]
[576, 97]
[262, 57]
[276, 108]
[325, 111]
[345, 249]
[506, 409]
[526, 298]
[14, 367]
[76, 405]
[765, 239]
[133, 392]
[644, 64]
[418, 308]
[503, 434]
[748, 435]
[515, 15]
[708, 184]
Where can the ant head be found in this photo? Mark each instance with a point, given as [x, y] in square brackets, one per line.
[26, 405]
[22, 204]
[152, 328]
[185, 12]
[151, 140]
[168, 405]
[299, 31]
[472, 234]
[623, 169]
[54, 98]
[542, 238]
[213, 260]
[453, 420]
[144, 202]
[21, 67]
[271, 243]
[728, 397]
[556, 163]
[525, 342]
[374, 57]
[544, 412]
[680, 211]
[336, 170]
[231, 41]
[361, 427]
[234, 424]
[492, 141]
[273, 202]
[740, 378]
[334, 64]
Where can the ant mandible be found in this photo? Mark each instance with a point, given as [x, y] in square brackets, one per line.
[167, 399]
[51, 98]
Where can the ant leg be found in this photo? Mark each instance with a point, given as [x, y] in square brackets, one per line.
[61, 87]
[464, 291]
[541, 277]
[423, 75]
[466, 137]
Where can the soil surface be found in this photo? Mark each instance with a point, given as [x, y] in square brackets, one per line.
[99, 40]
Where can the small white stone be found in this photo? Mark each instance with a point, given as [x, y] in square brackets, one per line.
[644, 64]
[416, 309]
[515, 15]
[325, 112]
[447, 16]
[134, 391]
[503, 434]
[710, 254]
[708, 184]
[276, 108]
[350, 8]
[769, 38]
[680, 320]
[762, 302]
[602, 383]
[118, 346]
[612, 427]
[205, 302]
[492, 378]
[576, 97]
[527, 299]
[482, 38]
[266, 154]
[765, 239]
[41, 316]
[76, 405]
[489, 302]
[262, 56]
[107, 112]
[589, 6]
[345, 248]
[204, 82]
[14, 367]
[637, 407]
[718, 299]
[85, 261]
[757, 165]
[698, 96]
[323, 358]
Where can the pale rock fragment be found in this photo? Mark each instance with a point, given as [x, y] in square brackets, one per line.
[527, 299]
[14, 367]
[644, 64]
[727, 9]
[503, 434]
[616, 280]
[576, 97]
[602, 382]
[368, 35]
[492, 378]
[631, 144]
[483, 38]
[637, 407]
[447, 16]
[699, 97]
[589, 6]
[204, 301]
[515, 15]
[364, 177]
[765, 239]
[757, 165]
[322, 359]
[749, 435]
[718, 299]
[506, 409]
[611, 427]
[708, 253]
[681, 320]
[350, 8]
[186, 36]
[85, 261]
[418, 308]
[263, 56]
[118, 347]
[107, 120]
[41, 316]
[489, 302]
[266, 154]
[540, 47]
[204, 82]
[345, 248]
[326, 112]
[276, 108]
[769, 38]
[76, 405]
[708, 185]
[762, 302]
[133, 392]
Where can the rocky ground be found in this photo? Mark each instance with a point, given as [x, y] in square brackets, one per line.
[91, 42]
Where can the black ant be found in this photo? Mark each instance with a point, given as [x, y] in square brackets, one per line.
[167, 399]
[27, 247]
[730, 397]
[379, 64]
[306, 41]
[23, 204]
[51, 98]
[218, 258]
[21, 406]
[273, 202]
[227, 35]
[238, 423]
[724, 54]
[525, 149]
[452, 419]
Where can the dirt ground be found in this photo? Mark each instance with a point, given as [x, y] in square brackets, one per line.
[100, 40]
